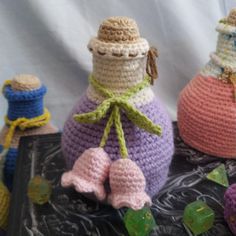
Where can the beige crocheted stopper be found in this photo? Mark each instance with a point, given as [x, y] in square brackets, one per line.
[118, 38]
[231, 19]
[25, 82]
[118, 29]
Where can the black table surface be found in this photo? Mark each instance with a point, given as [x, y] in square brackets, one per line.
[69, 213]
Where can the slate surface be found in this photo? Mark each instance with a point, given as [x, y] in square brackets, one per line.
[69, 213]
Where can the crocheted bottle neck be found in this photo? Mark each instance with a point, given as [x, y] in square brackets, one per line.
[226, 49]
[28, 104]
[225, 54]
[118, 75]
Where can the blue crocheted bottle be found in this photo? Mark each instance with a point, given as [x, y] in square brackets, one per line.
[24, 94]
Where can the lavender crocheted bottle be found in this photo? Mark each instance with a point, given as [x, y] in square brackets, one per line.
[119, 63]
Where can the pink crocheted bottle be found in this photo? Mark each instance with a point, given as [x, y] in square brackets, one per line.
[207, 105]
[118, 81]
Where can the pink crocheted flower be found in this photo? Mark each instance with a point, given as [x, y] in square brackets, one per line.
[89, 173]
[127, 184]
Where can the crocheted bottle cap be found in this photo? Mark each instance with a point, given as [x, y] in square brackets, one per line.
[227, 25]
[231, 19]
[118, 30]
[118, 37]
[25, 96]
[25, 82]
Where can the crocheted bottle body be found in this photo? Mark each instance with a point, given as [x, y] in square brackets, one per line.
[207, 116]
[150, 152]
[25, 100]
[120, 89]
[207, 105]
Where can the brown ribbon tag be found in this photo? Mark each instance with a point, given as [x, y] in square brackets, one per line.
[228, 76]
[233, 82]
[151, 67]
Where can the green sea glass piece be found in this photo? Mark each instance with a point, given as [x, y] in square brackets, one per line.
[39, 190]
[219, 176]
[198, 217]
[139, 223]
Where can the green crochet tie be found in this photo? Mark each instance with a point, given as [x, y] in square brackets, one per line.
[114, 104]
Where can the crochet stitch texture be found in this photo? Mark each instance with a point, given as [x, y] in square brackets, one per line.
[119, 67]
[230, 207]
[26, 115]
[207, 106]
[90, 178]
[4, 206]
[127, 185]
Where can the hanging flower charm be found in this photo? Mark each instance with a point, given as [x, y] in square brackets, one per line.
[89, 173]
[127, 184]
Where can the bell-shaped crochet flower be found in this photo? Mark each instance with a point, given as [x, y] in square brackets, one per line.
[127, 184]
[89, 173]
[4, 205]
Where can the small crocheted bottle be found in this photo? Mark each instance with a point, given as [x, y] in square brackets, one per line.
[230, 207]
[207, 105]
[119, 99]
[26, 115]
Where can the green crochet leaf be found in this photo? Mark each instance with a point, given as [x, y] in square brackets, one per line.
[96, 115]
[140, 120]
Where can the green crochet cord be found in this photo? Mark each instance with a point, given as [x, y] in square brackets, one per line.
[114, 104]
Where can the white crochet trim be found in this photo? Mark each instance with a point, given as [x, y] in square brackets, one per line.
[226, 49]
[226, 28]
[211, 69]
[143, 97]
[225, 55]
[222, 63]
[117, 50]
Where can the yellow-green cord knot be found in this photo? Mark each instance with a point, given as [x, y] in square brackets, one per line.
[114, 104]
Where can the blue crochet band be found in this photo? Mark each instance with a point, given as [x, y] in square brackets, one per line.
[28, 104]
[10, 165]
